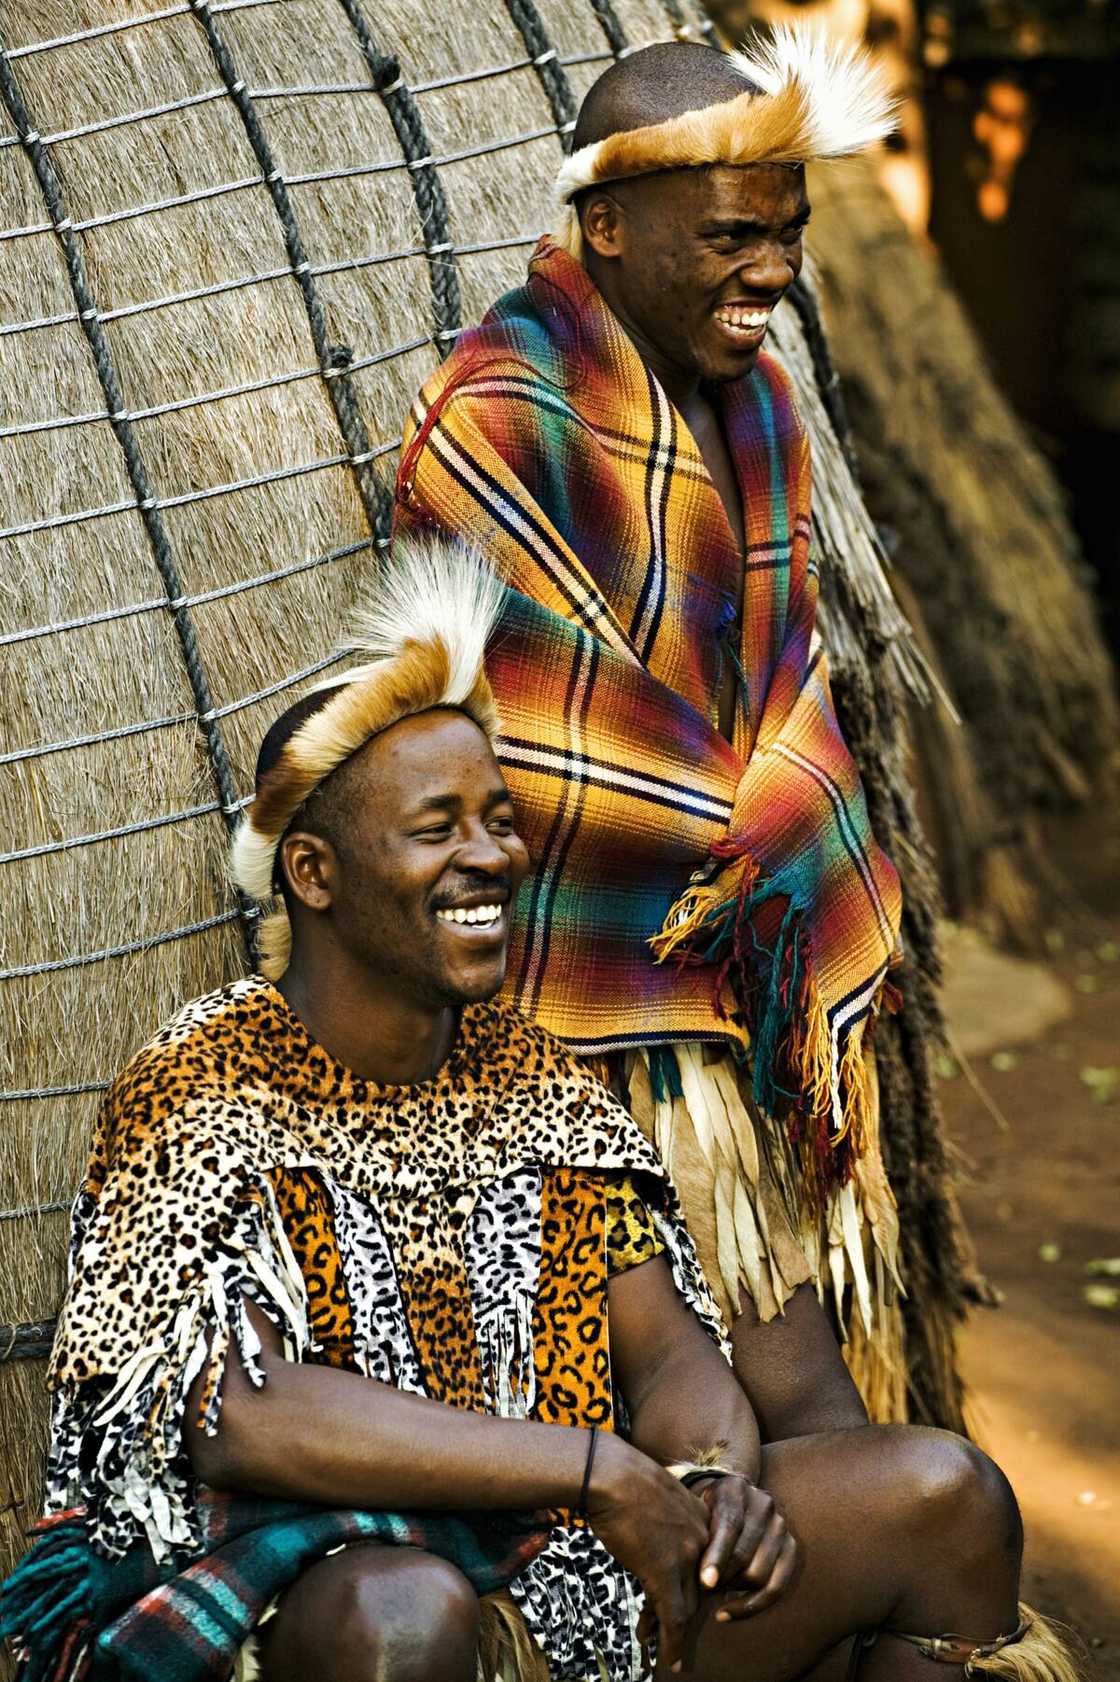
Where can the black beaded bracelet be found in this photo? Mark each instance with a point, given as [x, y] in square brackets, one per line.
[590, 1461]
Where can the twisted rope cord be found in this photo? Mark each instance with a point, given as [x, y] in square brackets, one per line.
[129, 23]
[701, 29]
[550, 73]
[140, 827]
[333, 358]
[26, 1092]
[611, 25]
[127, 949]
[145, 502]
[206, 494]
[304, 90]
[115, 734]
[427, 188]
[107, 615]
[386, 166]
[340, 266]
[29, 1342]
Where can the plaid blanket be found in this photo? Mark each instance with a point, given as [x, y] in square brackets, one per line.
[74, 1616]
[685, 887]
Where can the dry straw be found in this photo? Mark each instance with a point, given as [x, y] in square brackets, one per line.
[234, 239]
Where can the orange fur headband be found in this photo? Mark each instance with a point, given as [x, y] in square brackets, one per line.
[811, 98]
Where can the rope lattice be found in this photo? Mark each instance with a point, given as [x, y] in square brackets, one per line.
[333, 363]
[51, 188]
[550, 73]
[333, 358]
[427, 188]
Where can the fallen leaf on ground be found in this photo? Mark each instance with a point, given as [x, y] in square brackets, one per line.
[1101, 1296]
[1107, 1267]
[1103, 1083]
[1005, 1060]
[1049, 1252]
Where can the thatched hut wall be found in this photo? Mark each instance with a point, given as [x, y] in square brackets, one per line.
[232, 242]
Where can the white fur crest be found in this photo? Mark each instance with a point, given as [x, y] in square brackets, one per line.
[432, 589]
[848, 106]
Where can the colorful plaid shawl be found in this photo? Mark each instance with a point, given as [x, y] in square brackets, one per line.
[545, 438]
[73, 1615]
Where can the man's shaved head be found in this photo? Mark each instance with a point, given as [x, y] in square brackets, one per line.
[652, 85]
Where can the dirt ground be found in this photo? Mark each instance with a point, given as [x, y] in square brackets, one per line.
[1040, 1149]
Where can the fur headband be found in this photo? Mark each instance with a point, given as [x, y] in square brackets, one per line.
[815, 98]
[425, 640]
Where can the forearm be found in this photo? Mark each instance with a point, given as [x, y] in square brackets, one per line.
[319, 1434]
[683, 1398]
[694, 1407]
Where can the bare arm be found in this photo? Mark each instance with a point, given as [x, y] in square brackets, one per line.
[793, 1371]
[315, 1433]
[683, 1399]
[682, 1396]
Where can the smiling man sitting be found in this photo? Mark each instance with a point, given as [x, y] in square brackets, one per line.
[381, 1261]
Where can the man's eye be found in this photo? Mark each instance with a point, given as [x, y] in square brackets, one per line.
[437, 832]
[501, 826]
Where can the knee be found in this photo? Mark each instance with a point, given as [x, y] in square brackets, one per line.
[961, 1498]
[407, 1618]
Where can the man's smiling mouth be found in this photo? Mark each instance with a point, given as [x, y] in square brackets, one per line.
[744, 322]
[484, 915]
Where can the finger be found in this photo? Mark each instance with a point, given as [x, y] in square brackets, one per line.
[748, 1605]
[670, 1625]
[765, 1556]
[723, 1538]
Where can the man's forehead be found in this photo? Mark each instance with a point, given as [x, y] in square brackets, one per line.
[766, 192]
[442, 751]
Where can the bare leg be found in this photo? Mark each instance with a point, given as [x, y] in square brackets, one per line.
[897, 1526]
[374, 1614]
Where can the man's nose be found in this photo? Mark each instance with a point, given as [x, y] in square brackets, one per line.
[772, 266]
[482, 851]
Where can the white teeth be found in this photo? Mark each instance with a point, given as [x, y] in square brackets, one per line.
[741, 318]
[470, 914]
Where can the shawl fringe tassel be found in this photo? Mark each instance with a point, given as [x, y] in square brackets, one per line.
[802, 1070]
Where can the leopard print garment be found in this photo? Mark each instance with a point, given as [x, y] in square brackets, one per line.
[453, 1238]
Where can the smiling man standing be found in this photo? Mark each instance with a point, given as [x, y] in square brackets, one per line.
[708, 918]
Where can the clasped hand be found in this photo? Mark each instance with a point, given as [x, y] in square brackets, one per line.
[723, 1535]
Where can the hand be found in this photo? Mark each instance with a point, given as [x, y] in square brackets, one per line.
[658, 1530]
[748, 1547]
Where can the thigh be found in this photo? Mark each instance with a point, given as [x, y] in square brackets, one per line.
[394, 1614]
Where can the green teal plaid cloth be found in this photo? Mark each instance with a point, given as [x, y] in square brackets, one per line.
[72, 1616]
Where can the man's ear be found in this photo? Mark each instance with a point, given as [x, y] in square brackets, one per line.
[602, 221]
[310, 865]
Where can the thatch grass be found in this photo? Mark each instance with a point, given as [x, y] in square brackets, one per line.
[76, 1025]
